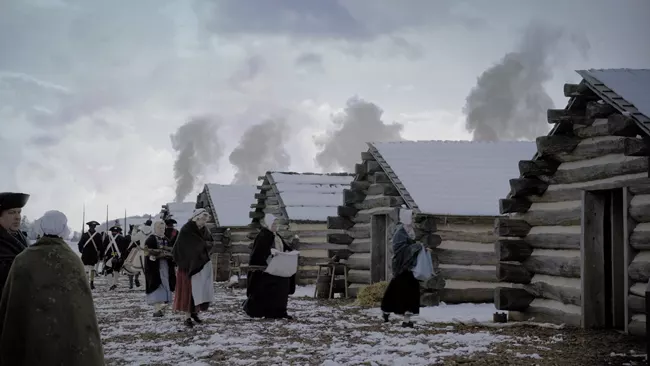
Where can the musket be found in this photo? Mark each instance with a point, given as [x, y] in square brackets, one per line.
[125, 227]
[83, 220]
[106, 231]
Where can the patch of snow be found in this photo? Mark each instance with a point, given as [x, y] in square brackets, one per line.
[456, 177]
[305, 291]
[232, 203]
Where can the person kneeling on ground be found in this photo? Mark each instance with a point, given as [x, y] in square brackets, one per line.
[47, 315]
[159, 269]
[402, 295]
[268, 295]
[194, 285]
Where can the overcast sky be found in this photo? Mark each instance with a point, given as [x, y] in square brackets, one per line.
[90, 91]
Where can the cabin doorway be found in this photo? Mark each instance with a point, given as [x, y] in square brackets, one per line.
[602, 254]
[380, 250]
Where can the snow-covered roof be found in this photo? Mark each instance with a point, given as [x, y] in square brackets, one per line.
[455, 177]
[626, 89]
[231, 203]
[310, 196]
[181, 211]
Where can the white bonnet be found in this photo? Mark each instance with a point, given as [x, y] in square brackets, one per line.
[268, 220]
[198, 213]
[406, 216]
[55, 223]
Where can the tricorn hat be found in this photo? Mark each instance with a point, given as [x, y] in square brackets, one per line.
[148, 223]
[10, 200]
[116, 229]
[92, 223]
[170, 222]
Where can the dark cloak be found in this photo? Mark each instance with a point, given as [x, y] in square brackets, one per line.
[191, 249]
[403, 292]
[268, 295]
[89, 255]
[47, 315]
[10, 247]
[152, 268]
[405, 251]
[171, 234]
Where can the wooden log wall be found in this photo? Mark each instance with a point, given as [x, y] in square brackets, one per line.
[370, 193]
[638, 256]
[467, 257]
[539, 244]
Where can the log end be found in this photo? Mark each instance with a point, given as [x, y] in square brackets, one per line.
[512, 205]
[556, 144]
[339, 223]
[512, 299]
[513, 272]
[522, 187]
[635, 147]
[511, 227]
[516, 250]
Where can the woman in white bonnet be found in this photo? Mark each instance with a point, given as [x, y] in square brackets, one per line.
[402, 296]
[47, 315]
[268, 295]
[159, 269]
[194, 285]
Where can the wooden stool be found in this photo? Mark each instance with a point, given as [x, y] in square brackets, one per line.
[331, 269]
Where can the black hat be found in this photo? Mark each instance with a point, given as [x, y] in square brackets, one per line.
[115, 228]
[148, 223]
[92, 223]
[170, 222]
[10, 200]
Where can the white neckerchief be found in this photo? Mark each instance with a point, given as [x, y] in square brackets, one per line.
[279, 245]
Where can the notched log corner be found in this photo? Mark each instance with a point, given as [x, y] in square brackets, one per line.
[512, 205]
[522, 187]
[511, 227]
[510, 250]
[556, 144]
[512, 299]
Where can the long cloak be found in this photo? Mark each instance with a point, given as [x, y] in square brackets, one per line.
[267, 295]
[152, 268]
[91, 254]
[47, 315]
[191, 249]
[10, 247]
[403, 292]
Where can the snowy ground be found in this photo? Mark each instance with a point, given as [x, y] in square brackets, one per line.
[323, 333]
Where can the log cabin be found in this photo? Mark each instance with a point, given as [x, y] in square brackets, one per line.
[302, 203]
[576, 239]
[451, 186]
[179, 211]
[229, 225]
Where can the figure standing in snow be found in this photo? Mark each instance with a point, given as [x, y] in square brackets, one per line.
[268, 295]
[12, 241]
[115, 245]
[170, 231]
[91, 248]
[47, 315]
[160, 277]
[402, 296]
[194, 285]
[134, 243]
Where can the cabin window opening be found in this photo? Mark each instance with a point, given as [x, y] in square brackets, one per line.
[602, 260]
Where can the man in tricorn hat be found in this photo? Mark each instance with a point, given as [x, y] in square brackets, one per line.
[170, 231]
[12, 241]
[91, 248]
[115, 246]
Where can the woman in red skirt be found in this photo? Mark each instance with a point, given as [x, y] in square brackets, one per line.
[194, 285]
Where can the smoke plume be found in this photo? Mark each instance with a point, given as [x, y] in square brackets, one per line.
[197, 145]
[360, 122]
[261, 148]
[509, 101]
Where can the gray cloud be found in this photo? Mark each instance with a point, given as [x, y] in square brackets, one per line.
[197, 146]
[249, 70]
[261, 148]
[509, 101]
[359, 123]
[309, 59]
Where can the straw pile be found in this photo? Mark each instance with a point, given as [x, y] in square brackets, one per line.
[371, 295]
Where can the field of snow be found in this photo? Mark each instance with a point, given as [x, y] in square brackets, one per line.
[324, 333]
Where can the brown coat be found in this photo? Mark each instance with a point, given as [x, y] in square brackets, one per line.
[47, 315]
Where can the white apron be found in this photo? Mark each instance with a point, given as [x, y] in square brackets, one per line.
[202, 287]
